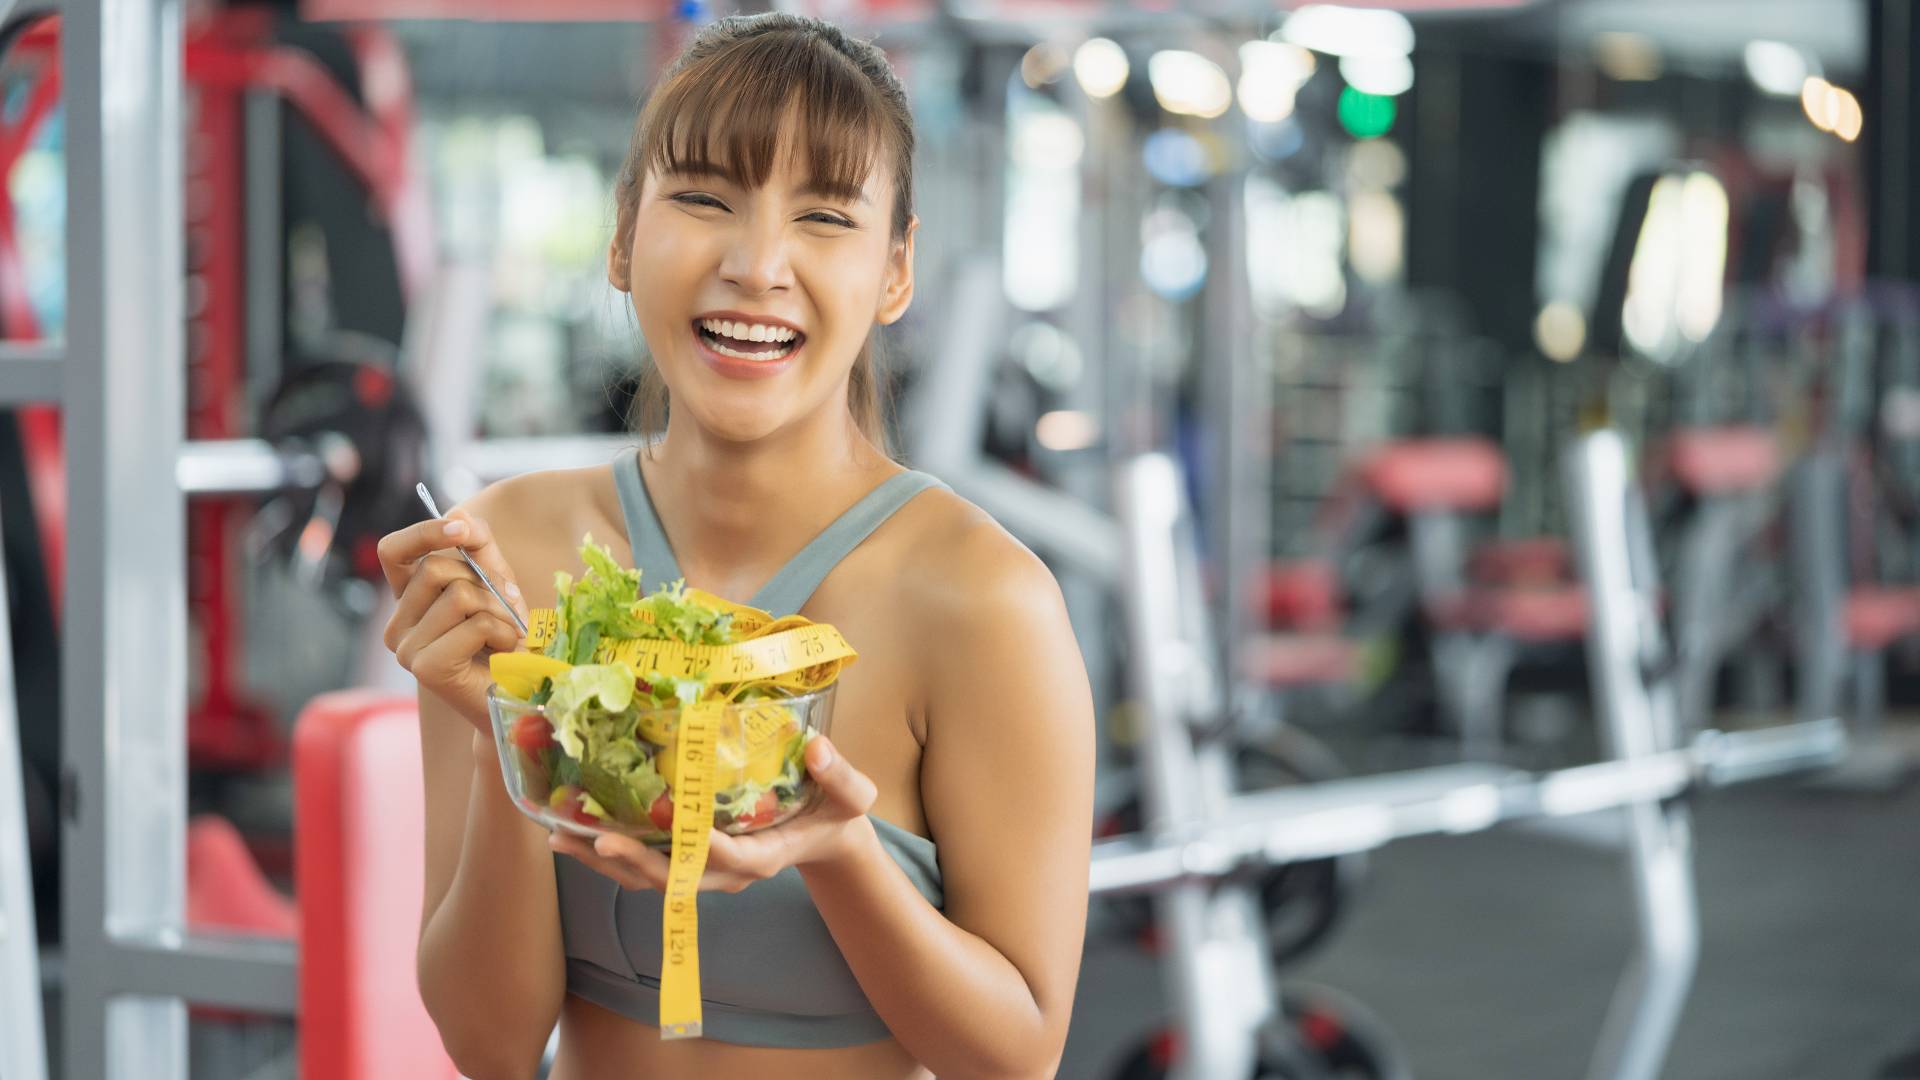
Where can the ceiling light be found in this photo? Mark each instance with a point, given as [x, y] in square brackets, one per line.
[1044, 64]
[1271, 75]
[1344, 31]
[1189, 84]
[1101, 67]
[1776, 67]
[1627, 57]
[1386, 76]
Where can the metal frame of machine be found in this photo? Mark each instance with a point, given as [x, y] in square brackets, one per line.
[129, 966]
[1202, 835]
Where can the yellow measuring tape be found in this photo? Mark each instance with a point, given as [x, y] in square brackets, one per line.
[788, 652]
[680, 1008]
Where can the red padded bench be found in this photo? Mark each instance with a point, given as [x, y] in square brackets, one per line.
[226, 891]
[1464, 475]
[1724, 460]
[1877, 616]
[1303, 595]
[1521, 562]
[360, 879]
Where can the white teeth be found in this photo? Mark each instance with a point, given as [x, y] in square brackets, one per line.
[742, 331]
[738, 354]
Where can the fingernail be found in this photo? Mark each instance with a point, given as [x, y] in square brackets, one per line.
[455, 528]
[513, 591]
[824, 757]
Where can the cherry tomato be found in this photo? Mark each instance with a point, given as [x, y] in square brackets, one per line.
[531, 733]
[661, 813]
[764, 811]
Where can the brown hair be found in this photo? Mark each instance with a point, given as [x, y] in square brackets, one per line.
[725, 104]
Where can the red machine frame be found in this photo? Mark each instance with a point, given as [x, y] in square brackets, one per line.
[227, 56]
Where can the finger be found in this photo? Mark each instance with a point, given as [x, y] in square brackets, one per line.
[752, 858]
[848, 787]
[628, 875]
[625, 849]
[449, 607]
[431, 576]
[401, 549]
[579, 849]
[458, 602]
[480, 544]
[450, 654]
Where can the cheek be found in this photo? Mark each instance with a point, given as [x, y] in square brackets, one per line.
[849, 278]
[663, 268]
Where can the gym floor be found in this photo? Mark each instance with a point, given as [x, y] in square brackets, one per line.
[1493, 956]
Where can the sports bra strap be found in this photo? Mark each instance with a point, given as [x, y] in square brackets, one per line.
[651, 552]
[789, 589]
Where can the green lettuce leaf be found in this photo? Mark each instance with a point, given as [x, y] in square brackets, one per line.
[581, 701]
[611, 793]
[561, 769]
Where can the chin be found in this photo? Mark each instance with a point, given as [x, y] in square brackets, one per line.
[740, 422]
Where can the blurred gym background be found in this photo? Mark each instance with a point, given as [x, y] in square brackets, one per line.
[1364, 271]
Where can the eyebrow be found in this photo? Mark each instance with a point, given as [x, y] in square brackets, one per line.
[838, 192]
[817, 186]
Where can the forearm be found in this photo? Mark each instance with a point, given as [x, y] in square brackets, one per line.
[491, 964]
[959, 1006]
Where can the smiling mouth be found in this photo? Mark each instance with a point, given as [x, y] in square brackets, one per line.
[743, 341]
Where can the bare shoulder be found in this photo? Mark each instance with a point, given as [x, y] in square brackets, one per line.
[538, 519]
[994, 650]
[526, 500]
[965, 571]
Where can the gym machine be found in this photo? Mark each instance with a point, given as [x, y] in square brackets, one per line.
[1205, 841]
[1846, 614]
[130, 963]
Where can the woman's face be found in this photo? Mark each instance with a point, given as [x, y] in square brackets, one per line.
[754, 302]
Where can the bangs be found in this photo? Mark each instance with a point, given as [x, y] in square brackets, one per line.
[732, 113]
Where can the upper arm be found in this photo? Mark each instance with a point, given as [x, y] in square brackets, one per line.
[447, 759]
[1007, 774]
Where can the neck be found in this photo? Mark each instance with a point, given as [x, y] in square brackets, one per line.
[735, 512]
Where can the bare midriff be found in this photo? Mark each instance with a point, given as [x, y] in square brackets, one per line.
[596, 1044]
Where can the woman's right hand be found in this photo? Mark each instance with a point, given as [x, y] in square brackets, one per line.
[446, 620]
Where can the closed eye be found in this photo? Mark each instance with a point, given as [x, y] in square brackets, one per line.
[825, 218]
[699, 198]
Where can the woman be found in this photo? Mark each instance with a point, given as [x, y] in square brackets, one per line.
[928, 918]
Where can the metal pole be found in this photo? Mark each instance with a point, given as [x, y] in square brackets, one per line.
[23, 1042]
[1243, 386]
[1222, 985]
[124, 677]
[1624, 644]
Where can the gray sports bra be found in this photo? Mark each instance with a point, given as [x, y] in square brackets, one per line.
[770, 974]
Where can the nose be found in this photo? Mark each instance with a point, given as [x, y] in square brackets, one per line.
[756, 259]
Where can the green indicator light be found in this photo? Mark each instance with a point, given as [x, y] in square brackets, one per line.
[1365, 116]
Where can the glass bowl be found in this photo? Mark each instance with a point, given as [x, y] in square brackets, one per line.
[625, 785]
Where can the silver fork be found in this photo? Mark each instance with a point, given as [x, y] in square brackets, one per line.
[427, 497]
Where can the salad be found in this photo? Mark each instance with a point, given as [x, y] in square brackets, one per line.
[590, 743]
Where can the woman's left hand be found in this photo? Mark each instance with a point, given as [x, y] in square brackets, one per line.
[735, 862]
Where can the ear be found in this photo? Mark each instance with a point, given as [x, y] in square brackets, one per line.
[897, 292]
[617, 258]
